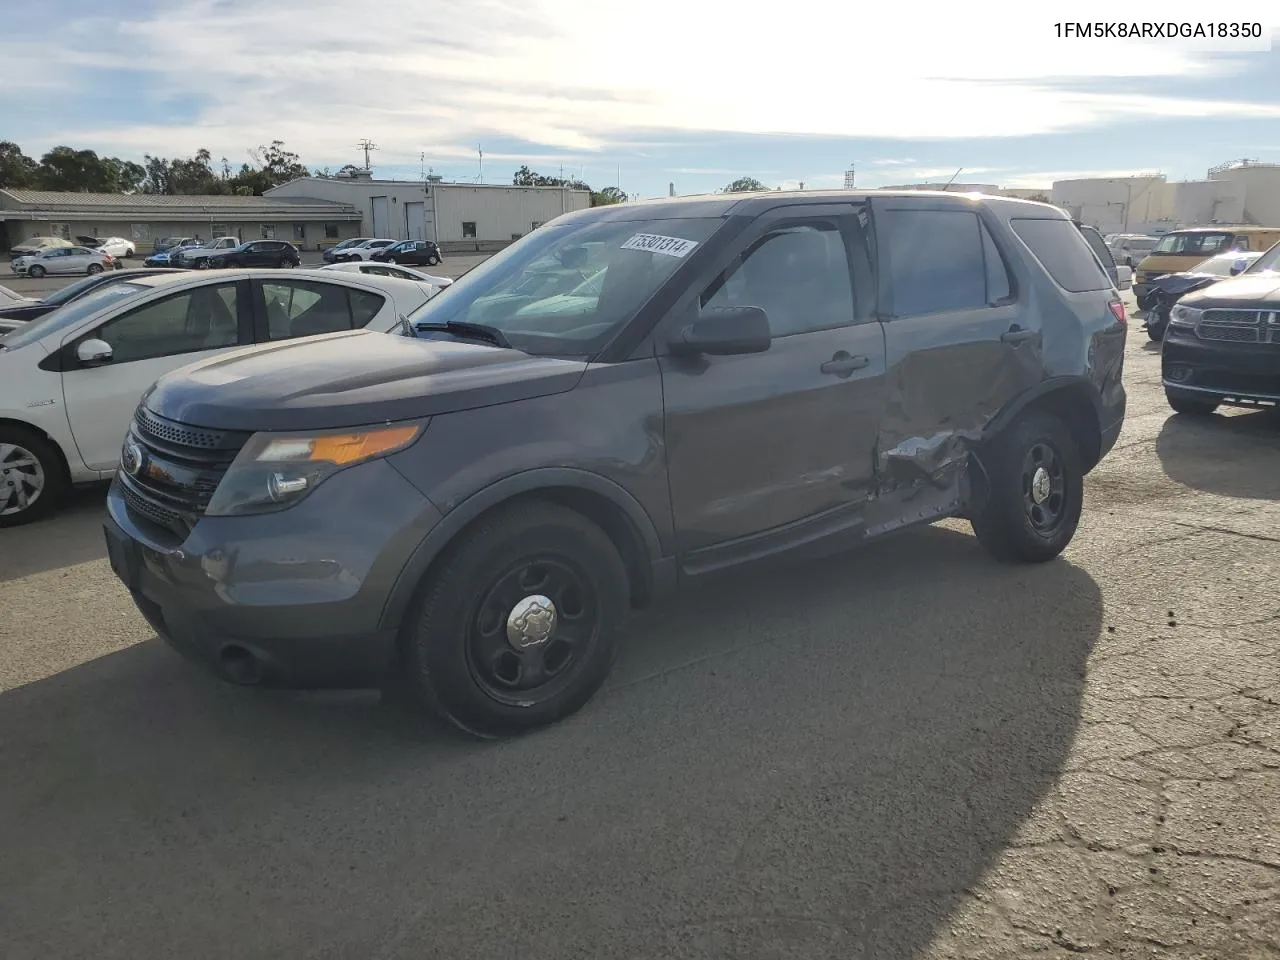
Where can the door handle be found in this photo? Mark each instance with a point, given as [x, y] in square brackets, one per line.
[842, 364]
[1016, 334]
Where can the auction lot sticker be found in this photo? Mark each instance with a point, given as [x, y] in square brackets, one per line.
[654, 243]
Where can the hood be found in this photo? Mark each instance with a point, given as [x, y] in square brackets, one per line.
[1261, 292]
[351, 379]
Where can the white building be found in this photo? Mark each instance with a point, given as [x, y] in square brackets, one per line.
[458, 216]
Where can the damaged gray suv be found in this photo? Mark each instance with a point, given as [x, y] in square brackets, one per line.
[627, 399]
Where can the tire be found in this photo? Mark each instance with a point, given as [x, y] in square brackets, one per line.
[458, 662]
[391, 260]
[28, 462]
[202, 264]
[36, 271]
[1156, 332]
[1189, 406]
[435, 261]
[93, 268]
[1029, 517]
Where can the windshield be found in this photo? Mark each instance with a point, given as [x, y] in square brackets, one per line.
[73, 290]
[1269, 262]
[1190, 243]
[564, 290]
[71, 314]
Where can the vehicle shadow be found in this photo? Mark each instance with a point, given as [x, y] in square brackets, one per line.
[72, 535]
[1234, 453]
[813, 762]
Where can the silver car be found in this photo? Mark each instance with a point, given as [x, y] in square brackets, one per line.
[64, 260]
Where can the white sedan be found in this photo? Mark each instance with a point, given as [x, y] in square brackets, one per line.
[71, 380]
[118, 247]
[376, 269]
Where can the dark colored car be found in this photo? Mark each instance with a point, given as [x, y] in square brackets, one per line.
[1222, 344]
[258, 253]
[471, 511]
[72, 291]
[1165, 291]
[1101, 251]
[411, 253]
[334, 253]
[163, 256]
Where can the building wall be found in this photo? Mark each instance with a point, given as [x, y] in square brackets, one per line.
[499, 214]
[145, 233]
[360, 194]
[1108, 203]
[1260, 185]
[1208, 201]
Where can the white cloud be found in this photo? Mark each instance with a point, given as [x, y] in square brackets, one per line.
[893, 163]
[543, 71]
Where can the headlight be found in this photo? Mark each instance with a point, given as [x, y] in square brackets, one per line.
[276, 470]
[1184, 317]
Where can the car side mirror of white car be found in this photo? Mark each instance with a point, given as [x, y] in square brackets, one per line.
[94, 352]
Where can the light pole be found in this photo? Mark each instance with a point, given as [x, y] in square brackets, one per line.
[1128, 201]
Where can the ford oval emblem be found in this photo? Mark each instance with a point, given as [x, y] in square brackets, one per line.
[131, 459]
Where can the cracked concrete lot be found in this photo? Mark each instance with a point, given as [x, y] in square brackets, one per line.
[907, 752]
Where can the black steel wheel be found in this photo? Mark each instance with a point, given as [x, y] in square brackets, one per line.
[1035, 490]
[517, 625]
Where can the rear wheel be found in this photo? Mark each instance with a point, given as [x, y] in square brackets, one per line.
[93, 268]
[517, 627]
[1036, 490]
[1190, 406]
[32, 480]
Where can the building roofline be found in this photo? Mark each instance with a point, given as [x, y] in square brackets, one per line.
[349, 181]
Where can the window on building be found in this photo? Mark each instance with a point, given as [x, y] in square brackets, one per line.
[299, 232]
[331, 231]
[268, 231]
[469, 229]
[140, 231]
[62, 230]
[516, 236]
[537, 224]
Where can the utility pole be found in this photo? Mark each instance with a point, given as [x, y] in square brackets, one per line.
[480, 150]
[367, 145]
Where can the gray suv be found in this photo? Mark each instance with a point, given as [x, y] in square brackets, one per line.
[628, 399]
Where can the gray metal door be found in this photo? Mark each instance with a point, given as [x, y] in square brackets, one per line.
[414, 220]
[381, 217]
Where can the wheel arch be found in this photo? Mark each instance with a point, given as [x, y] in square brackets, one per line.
[599, 499]
[1075, 399]
[44, 435]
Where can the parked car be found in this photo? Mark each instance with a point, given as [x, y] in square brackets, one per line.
[1165, 291]
[118, 247]
[35, 245]
[473, 511]
[1182, 249]
[164, 258]
[1223, 340]
[360, 251]
[257, 253]
[198, 256]
[12, 315]
[64, 260]
[70, 380]
[331, 255]
[423, 253]
[373, 268]
[168, 243]
[1129, 249]
[1121, 276]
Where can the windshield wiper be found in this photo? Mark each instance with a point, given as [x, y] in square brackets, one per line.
[471, 331]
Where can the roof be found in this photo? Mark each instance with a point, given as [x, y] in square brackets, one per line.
[97, 206]
[360, 182]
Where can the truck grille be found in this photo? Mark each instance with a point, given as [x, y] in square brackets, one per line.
[180, 470]
[1240, 326]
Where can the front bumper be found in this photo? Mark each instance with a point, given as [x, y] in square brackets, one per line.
[300, 594]
[1243, 374]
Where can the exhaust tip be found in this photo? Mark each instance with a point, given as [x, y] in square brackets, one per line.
[241, 666]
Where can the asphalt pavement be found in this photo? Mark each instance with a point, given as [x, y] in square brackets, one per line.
[909, 751]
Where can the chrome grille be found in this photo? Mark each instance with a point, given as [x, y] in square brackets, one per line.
[1240, 326]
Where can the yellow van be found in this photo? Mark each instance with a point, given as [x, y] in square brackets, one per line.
[1183, 249]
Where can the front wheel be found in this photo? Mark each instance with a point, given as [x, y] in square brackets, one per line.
[37, 271]
[434, 260]
[517, 627]
[32, 480]
[1035, 490]
[1191, 407]
[391, 260]
[202, 264]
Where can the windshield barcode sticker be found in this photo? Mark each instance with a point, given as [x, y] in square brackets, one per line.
[653, 243]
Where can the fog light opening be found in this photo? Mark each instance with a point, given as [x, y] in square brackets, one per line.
[240, 665]
[1178, 374]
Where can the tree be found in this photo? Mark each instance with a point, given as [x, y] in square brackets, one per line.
[607, 196]
[16, 168]
[1039, 198]
[745, 185]
[279, 164]
[64, 168]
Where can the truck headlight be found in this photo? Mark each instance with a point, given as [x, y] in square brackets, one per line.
[1184, 318]
[276, 470]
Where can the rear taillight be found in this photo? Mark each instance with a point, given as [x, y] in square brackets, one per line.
[1117, 311]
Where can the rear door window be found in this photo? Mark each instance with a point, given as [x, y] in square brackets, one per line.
[1062, 251]
[937, 262]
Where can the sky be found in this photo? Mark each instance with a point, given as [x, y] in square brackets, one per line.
[646, 95]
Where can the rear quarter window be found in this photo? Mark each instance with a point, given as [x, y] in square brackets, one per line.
[1063, 252]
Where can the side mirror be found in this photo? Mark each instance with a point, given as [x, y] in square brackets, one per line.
[93, 352]
[725, 332]
[1237, 267]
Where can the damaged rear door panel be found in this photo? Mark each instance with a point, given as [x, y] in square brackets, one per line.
[962, 342]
